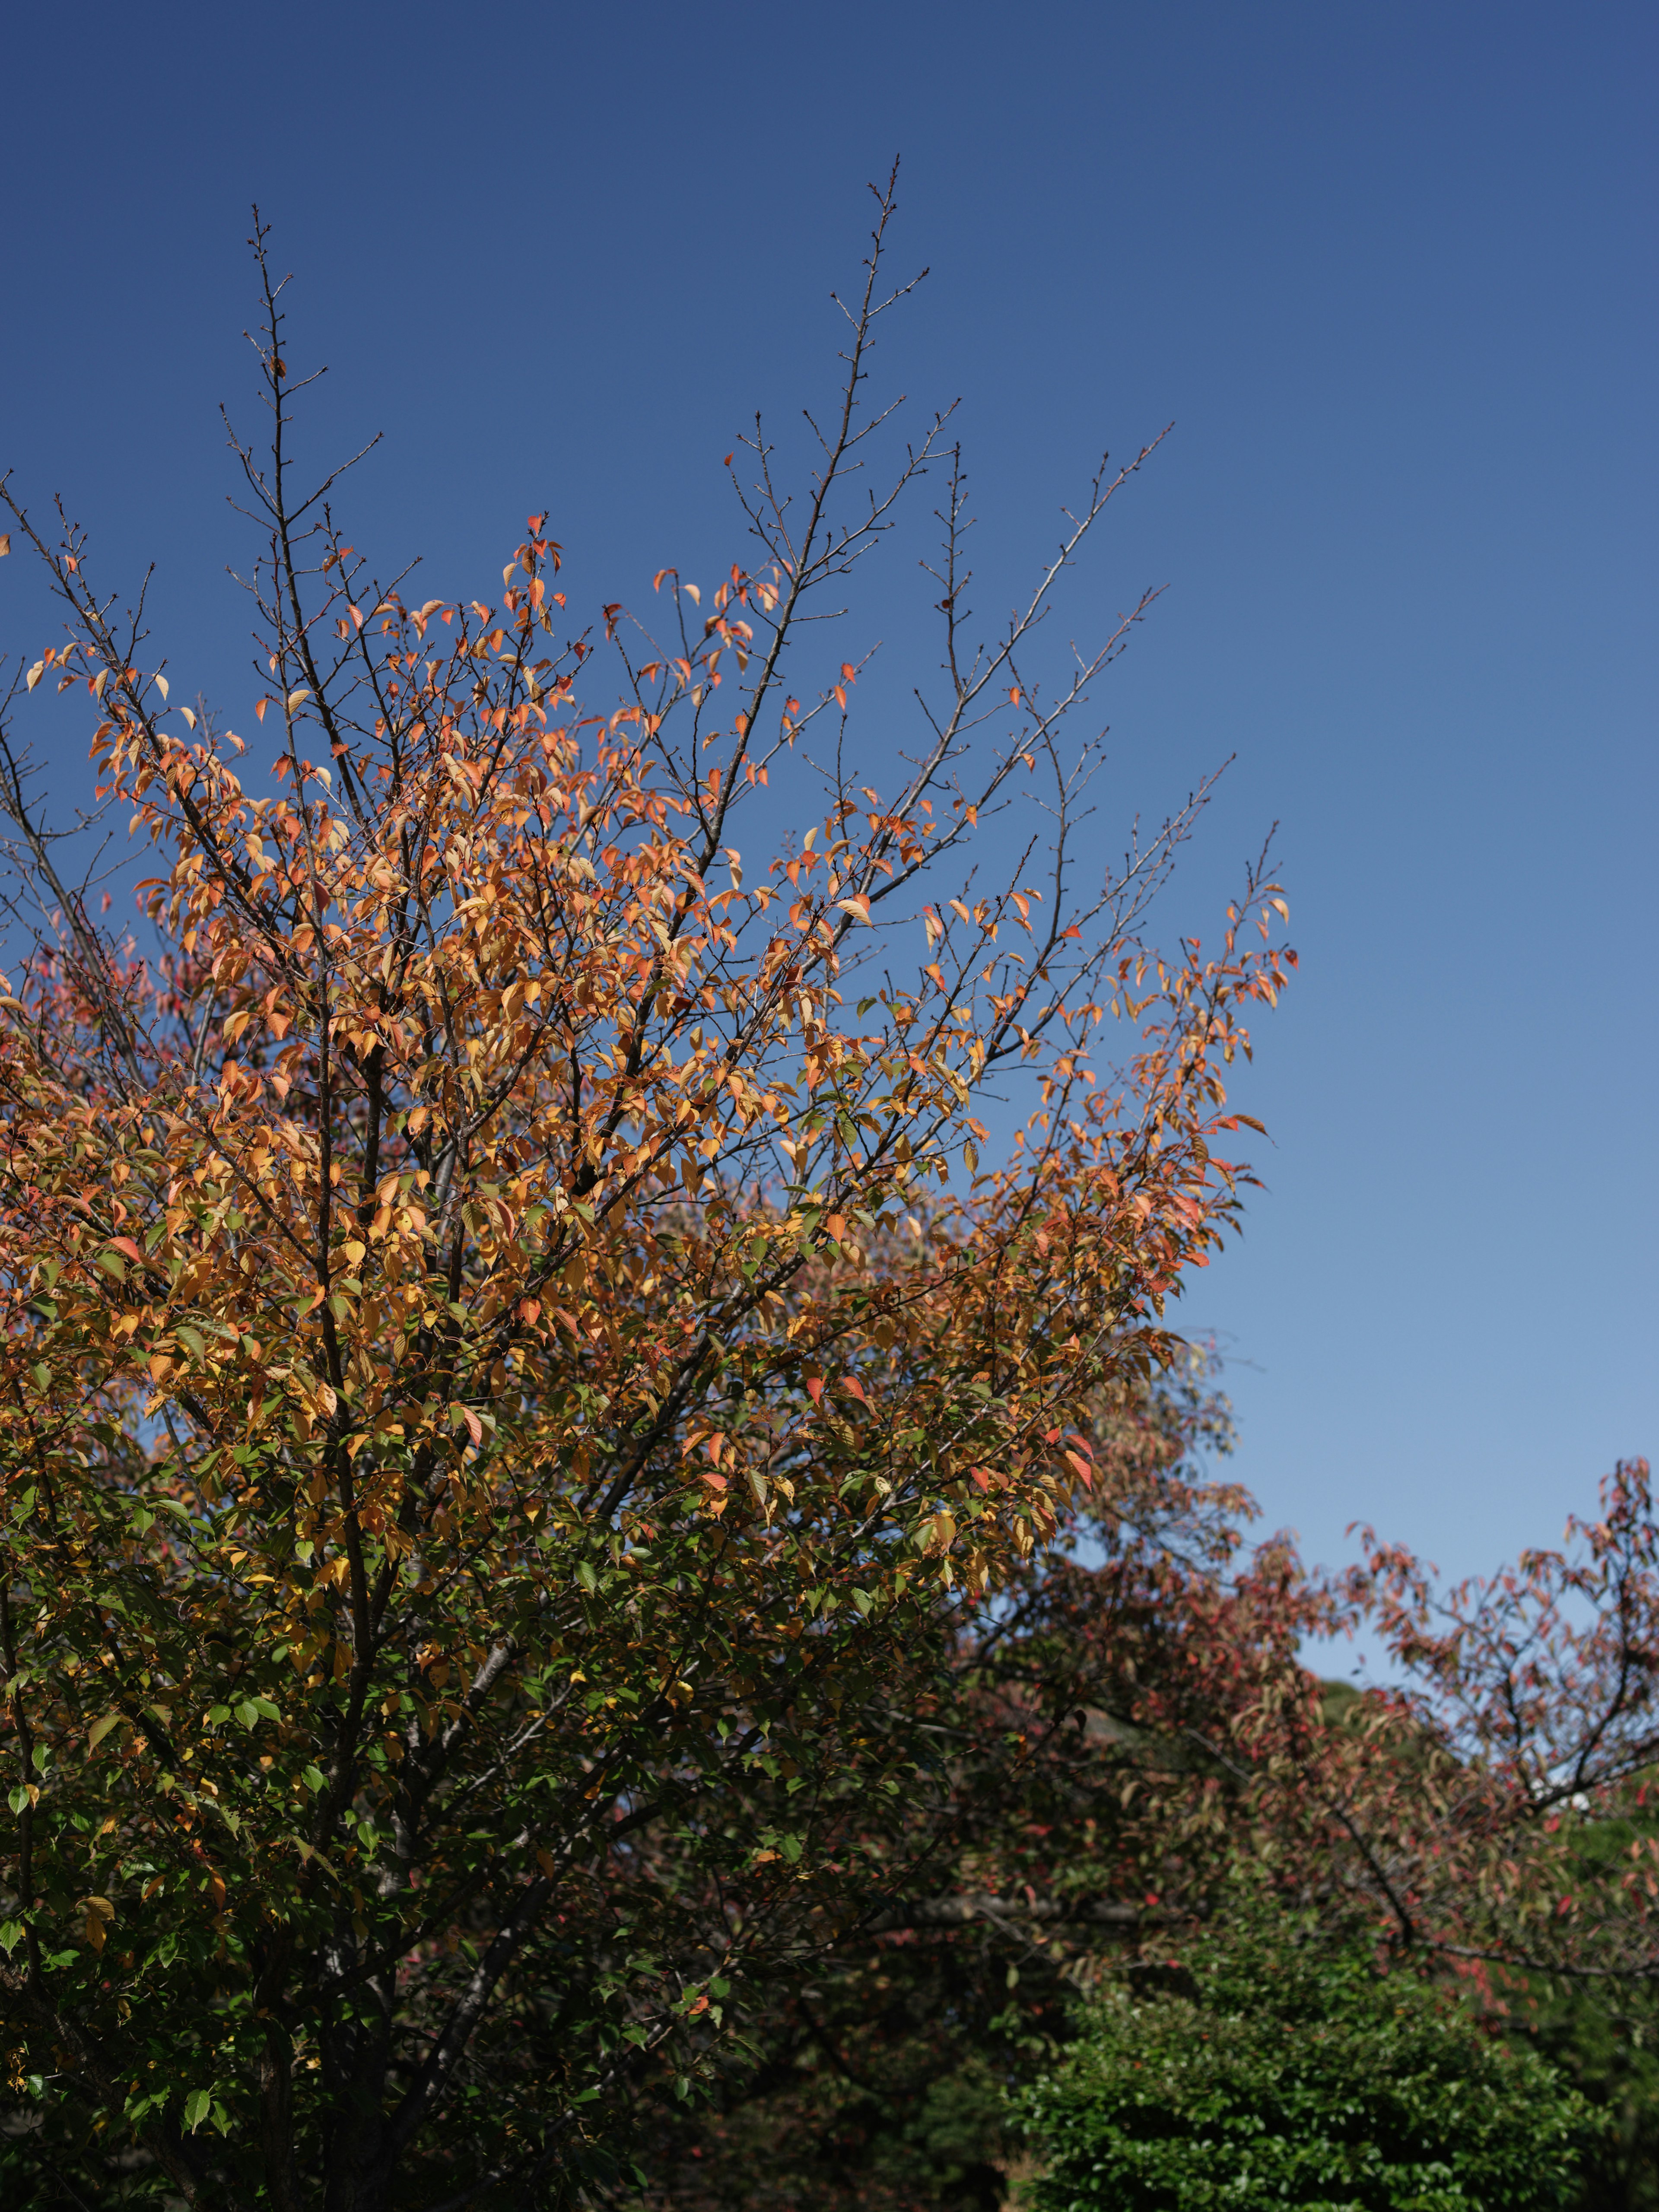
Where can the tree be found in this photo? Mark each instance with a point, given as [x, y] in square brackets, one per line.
[1604, 2039]
[1040, 1818]
[512, 1357]
[1460, 1806]
[1117, 1737]
[1275, 2069]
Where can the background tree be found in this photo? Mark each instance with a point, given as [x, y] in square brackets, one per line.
[1462, 1806]
[1132, 1725]
[511, 1359]
[1604, 2037]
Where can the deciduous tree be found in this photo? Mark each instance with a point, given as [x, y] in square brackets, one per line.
[512, 1334]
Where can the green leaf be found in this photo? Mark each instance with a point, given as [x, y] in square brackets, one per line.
[11, 1934]
[196, 2107]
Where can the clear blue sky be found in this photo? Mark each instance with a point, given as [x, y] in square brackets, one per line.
[1390, 271]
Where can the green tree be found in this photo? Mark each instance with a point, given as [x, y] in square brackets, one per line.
[1603, 2034]
[1274, 2067]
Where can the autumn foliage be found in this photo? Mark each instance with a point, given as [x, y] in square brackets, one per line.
[544, 1437]
[511, 1332]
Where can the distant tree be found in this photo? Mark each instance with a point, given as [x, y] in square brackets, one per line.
[1604, 2040]
[1166, 1731]
[514, 1369]
[1602, 2032]
[1273, 2068]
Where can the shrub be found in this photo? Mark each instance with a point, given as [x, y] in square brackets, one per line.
[1274, 2067]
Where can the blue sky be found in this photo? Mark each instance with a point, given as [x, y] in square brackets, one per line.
[1390, 271]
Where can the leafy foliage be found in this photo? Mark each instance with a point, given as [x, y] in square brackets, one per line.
[876, 2075]
[1605, 2043]
[1601, 2034]
[1275, 2068]
[540, 1460]
[513, 1370]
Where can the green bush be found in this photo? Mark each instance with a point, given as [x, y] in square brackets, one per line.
[1273, 2068]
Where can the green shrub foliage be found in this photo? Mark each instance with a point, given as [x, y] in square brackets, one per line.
[1273, 2068]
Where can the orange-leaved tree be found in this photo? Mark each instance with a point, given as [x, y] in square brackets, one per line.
[509, 1335]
